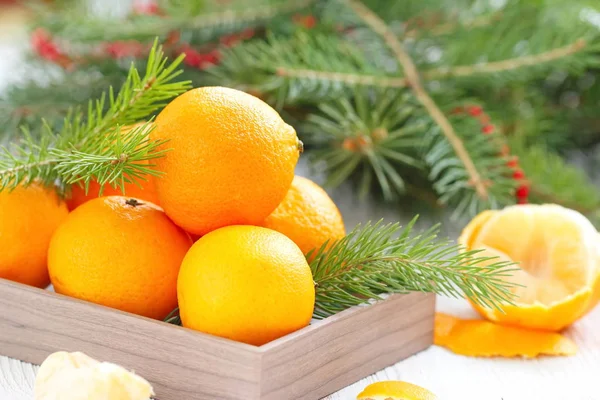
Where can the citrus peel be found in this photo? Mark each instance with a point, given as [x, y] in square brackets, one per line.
[75, 376]
[395, 390]
[557, 280]
[480, 338]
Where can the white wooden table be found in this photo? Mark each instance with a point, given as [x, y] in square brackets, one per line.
[450, 376]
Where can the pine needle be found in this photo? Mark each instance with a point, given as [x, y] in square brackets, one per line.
[379, 259]
[90, 145]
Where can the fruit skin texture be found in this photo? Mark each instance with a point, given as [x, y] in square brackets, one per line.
[75, 376]
[307, 215]
[28, 218]
[146, 192]
[395, 390]
[232, 159]
[245, 283]
[479, 338]
[560, 272]
[119, 255]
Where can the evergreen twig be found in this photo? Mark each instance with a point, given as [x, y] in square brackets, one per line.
[91, 145]
[506, 65]
[378, 259]
[414, 81]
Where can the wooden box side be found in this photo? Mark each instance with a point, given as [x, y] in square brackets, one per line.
[180, 363]
[346, 347]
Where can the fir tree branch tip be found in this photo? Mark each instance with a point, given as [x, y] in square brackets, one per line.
[379, 259]
[91, 145]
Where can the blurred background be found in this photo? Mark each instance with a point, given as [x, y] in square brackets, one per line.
[516, 79]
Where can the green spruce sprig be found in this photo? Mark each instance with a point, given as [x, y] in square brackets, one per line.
[379, 259]
[90, 145]
[190, 18]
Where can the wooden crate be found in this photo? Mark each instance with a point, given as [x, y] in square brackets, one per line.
[183, 364]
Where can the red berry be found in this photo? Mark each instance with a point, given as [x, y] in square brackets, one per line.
[487, 129]
[513, 162]
[247, 33]
[210, 58]
[192, 57]
[475, 110]
[522, 192]
[145, 8]
[43, 45]
[518, 174]
[121, 49]
[230, 40]
[307, 21]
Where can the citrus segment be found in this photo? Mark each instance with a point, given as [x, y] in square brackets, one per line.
[556, 252]
[480, 338]
[395, 390]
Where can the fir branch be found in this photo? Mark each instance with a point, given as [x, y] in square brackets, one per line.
[91, 146]
[379, 259]
[507, 65]
[143, 28]
[346, 78]
[373, 137]
[449, 27]
[413, 79]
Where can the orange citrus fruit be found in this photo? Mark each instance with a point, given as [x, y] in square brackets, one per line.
[143, 190]
[245, 283]
[307, 215]
[479, 338]
[29, 215]
[232, 159]
[119, 252]
[395, 390]
[556, 251]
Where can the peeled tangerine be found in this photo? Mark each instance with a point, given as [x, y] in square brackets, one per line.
[558, 276]
[75, 376]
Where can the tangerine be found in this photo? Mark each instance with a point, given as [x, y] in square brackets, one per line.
[29, 215]
[307, 215]
[556, 250]
[232, 159]
[119, 252]
[245, 283]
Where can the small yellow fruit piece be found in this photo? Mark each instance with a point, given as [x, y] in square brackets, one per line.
[558, 276]
[395, 390]
[75, 376]
[478, 338]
